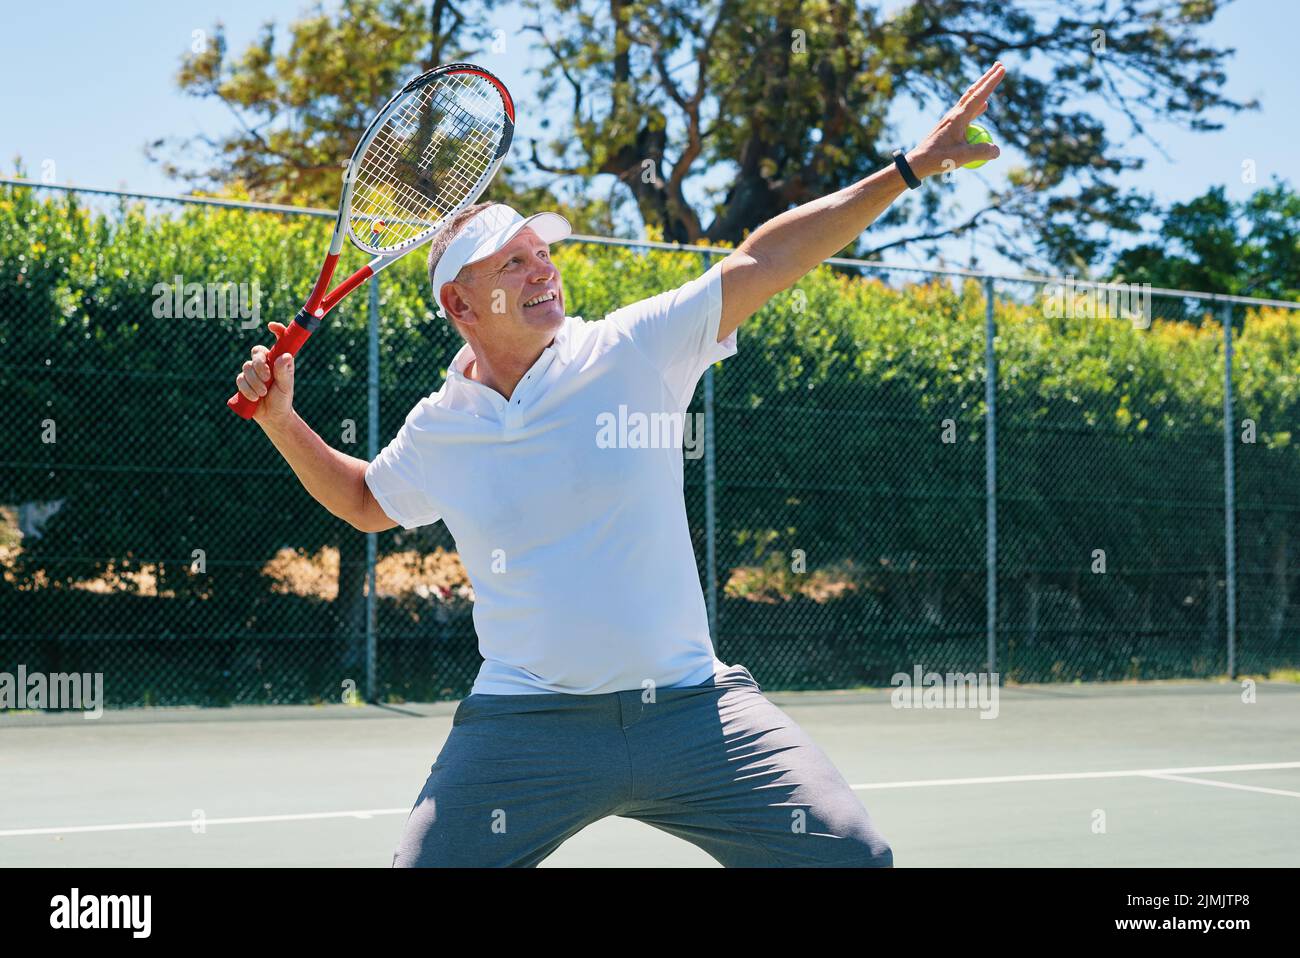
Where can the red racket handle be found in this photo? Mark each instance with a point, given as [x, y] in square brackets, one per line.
[303, 325]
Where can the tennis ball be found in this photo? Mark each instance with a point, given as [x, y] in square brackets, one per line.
[977, 134]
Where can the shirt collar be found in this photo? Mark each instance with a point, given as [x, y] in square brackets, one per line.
[562, 344]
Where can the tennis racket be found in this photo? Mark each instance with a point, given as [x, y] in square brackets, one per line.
[431, 152]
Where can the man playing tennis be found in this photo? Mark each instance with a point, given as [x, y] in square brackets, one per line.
[600, 693]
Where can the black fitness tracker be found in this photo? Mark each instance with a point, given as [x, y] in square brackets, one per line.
[905, 168]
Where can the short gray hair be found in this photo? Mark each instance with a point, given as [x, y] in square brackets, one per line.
[447, 234]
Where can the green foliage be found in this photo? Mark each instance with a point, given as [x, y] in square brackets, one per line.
[302, 98]
[303, 101]
[83, 350]
[832, 438]
[767, 104]
[713, 118]
[1244, 248]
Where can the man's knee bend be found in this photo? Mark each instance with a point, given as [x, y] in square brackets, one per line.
[875, 853]
[884, 858]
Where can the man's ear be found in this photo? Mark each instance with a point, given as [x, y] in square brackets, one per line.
[454, 304]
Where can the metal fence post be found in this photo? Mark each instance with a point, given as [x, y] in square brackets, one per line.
[710, 497]
[1229, 492]
[990, 480]
[156, 675]
[372, 450]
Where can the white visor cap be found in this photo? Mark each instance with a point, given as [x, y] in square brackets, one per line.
[487, 232]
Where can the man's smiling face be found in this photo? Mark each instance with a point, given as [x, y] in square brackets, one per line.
[517, 288]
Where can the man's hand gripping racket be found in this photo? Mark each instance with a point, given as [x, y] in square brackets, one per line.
[431, 152]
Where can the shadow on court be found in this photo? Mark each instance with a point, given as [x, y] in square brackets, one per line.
[1151, 774]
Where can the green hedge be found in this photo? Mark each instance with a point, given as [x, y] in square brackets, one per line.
[830, 446]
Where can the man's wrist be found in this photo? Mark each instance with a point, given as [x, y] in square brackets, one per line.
[910, 179]
[921, 164]
[278, 425]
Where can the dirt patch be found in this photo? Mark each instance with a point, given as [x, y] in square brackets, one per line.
[775, 583]
[293, 572]
[401, 573]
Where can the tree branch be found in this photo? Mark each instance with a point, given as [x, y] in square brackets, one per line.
[941, 234]
[559, 171]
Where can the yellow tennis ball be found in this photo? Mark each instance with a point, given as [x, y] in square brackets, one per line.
[977, 134]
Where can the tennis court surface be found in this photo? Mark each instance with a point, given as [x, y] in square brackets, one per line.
[1128, 775]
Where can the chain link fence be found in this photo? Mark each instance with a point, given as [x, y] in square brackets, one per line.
[1115, 501]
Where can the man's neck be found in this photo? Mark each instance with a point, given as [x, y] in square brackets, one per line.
[504, 372]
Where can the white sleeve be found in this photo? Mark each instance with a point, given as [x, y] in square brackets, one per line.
[399, 481]
[678, 332]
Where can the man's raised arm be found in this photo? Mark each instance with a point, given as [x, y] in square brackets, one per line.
[777, 254]
[336, 480]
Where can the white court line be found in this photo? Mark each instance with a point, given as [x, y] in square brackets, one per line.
[190, 822]
[1074, 776]
[923, 783]
[1244, 788]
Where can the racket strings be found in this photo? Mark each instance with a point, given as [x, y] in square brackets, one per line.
[412, 174]
[430, 155]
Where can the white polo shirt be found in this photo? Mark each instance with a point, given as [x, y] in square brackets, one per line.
[568, 515]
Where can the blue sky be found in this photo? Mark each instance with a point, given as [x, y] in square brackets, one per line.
[116, 90]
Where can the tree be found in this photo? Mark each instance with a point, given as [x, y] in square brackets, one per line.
[1213, 244]
[712, 117]
[300, 112]
[793, 100]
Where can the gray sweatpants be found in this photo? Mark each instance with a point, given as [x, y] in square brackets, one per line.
[716, 764]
